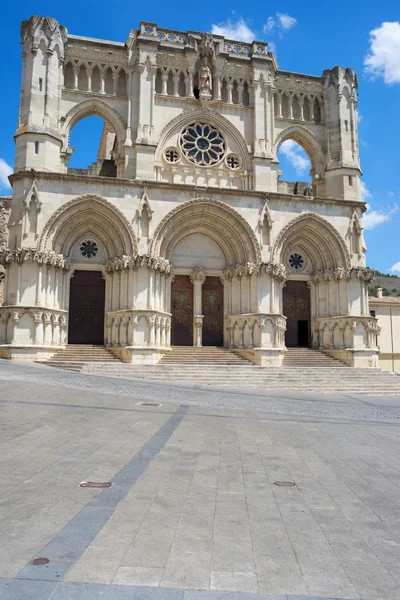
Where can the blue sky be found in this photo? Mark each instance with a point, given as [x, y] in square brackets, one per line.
[307, 38]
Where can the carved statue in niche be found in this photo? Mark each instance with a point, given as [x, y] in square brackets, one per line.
[205, 80]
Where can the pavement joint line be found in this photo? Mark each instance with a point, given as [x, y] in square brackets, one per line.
[68, 545]
[14, 589]
[273, 416]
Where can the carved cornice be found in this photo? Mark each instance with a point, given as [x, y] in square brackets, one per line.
[198, 274]
[46, 257]
[364, 273]
[135, 262]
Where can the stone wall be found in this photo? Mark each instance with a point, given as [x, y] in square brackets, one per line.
[5, 209]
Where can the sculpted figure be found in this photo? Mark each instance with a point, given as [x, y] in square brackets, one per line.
[205, 80]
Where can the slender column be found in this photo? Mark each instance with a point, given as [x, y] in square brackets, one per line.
[89, 79]
[197, 278]
[19, 279]
[312, 117]
[189, 92]
[150, 299]
[47, 328]
[115, 77]
[76, 73]
[128, 139]
[301, 104]
[272, 300]
[102, 82]
[38, 330]
[290, 107]
[240, 94]
[158, 290]
[217, 85]
[278, 100]
[176, 84]
[229, 90]
[15, 315]
[164, 80]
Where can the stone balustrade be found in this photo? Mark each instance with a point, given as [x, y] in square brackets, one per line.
[138, 328]
[35, 326]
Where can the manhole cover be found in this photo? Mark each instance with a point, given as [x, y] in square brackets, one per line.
[285, 483]
[95, 484]
[149, 404]
[40, 561]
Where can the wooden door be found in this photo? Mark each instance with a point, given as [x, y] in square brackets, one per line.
[86, 308]
[182, 311]
[296, 308]
[212, 298]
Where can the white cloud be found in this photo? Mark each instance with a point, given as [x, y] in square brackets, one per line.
[234, 31]
[383, 57]
[286, 21]
[396, 267]
[365, 193]
[281, 22]
[296, 156]
[5, 171]
[373, 218]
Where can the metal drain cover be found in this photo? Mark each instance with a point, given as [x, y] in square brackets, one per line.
[148, 404]
[95, 484]
[285, 483]
[40, 561]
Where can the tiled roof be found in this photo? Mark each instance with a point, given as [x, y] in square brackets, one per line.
[385, 300]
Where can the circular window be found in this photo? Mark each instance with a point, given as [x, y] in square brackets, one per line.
[89, 248]
[171, 155]
[233, 162]
[202, 144]
[296, 261]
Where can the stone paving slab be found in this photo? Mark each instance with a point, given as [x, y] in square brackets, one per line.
[40, 590]
[194, 512]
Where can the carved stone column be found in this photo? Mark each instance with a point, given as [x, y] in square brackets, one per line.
[197, 277]
[47, 329]
[38, 331]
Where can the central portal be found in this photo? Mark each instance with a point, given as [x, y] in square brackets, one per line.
[296, 308]
[212, 301]
[86, 308]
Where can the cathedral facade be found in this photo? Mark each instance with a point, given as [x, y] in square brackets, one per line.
[182, 232]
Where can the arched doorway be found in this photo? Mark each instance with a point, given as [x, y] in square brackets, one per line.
[201, 239]
[297, 310]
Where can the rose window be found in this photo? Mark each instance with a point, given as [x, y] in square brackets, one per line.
[171, 155]
[296, 261]
[233, 162]
[202, 144]
[89, 248]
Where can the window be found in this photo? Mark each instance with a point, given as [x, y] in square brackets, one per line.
[372, 313]
[346, 125]
[36, 147]
[202, 144]
[40, 84]
[351, 180]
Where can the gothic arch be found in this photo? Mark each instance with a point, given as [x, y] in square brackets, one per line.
[89, 214]
[200, 114]
[87, 108]
[320, 241]
[307, 140]
[214, 219]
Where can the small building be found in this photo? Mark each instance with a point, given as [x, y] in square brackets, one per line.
[387, 310]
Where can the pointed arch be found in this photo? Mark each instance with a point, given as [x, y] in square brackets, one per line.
[320, 241]
[212, 117]
[93, 106]
[307, 140]
[214, 219]
[89, 214]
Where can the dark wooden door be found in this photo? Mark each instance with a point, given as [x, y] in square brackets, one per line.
[182, 311]
[296, 308]
[212, 299]
[86, 308]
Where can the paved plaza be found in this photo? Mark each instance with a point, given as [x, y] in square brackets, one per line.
[194, 512]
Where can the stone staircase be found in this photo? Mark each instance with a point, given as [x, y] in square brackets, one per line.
[75, 357]
[303, 370]
[305, 357]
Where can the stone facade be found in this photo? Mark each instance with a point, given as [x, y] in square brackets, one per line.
[5, 209]
[187, 182]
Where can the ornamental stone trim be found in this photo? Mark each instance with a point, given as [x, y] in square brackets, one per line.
[21, 255]
[135, 262]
